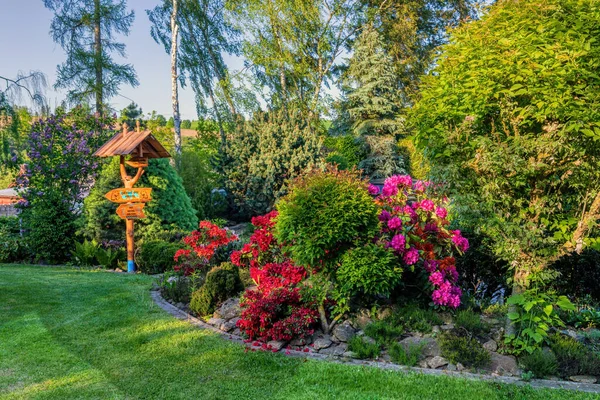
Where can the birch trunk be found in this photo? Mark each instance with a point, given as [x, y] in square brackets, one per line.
[98, 57]
[174, 76]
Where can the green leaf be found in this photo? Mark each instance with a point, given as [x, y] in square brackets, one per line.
[548, 309]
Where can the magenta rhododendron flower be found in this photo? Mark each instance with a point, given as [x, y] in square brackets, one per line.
[461, 242]
[373, 190]
[427, 205]
[419, 186]
[398, 243]
[411, 256]
[441, 212]
[437, 278]
[384, 216]
[394, 223]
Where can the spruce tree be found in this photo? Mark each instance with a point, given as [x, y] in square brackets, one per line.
[372, 103]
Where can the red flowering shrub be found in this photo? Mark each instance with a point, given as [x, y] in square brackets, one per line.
[203, 243]
[275, 309]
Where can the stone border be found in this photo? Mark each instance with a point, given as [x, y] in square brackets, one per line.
[536, 383]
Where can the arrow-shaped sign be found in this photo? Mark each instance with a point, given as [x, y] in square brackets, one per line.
[129, 195]
[131, 211]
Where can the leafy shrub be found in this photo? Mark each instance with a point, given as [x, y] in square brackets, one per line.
[383, 332]
[325, 213]
[383, 159]
[573, 357]
[262, 247]
[470, 321]
[175, 287]
[464, 350]
[363, 349]
[579, 275]
[222, 283]
[348, 147]
[109, 257]
[12, 244]
[156, 256]
[415, 226]
[277, 309]
[85, 253]
[339, 160]
[203, 247]
[541, 363]
[403, 356]
[414, 319]
[584, 318]
[535, 313]
[368, 270]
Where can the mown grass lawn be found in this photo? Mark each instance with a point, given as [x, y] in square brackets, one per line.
[68, 334]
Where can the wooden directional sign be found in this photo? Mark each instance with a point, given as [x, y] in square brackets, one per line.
[131, 211]
[123, 195]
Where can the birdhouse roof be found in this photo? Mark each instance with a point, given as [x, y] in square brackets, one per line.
[130, 143]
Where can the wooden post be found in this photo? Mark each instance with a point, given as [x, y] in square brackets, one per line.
[130, 245]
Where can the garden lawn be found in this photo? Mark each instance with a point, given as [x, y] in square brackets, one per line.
[66, 333]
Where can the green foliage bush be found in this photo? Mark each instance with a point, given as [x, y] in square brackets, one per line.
[175, 287]
[363, 349]
[541, 363]
[338, 160]
[368, 270]
[464, 350]
[383, 332]
[414, 319]
[222, 283]
[12, 245]
[263, 153]
[470, 321]
[347, 146]
[156, 256]
[573, 357]
[169, 210]
[325, 213]
[85, 253]
[405, 356]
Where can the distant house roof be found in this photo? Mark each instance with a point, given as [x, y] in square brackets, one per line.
[126, 143]
[8, 196]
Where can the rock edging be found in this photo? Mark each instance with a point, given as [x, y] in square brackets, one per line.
[536, 383]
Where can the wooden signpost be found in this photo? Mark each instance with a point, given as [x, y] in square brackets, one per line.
[139, 146]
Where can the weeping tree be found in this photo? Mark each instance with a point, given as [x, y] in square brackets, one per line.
[86, 30]
[519, 142]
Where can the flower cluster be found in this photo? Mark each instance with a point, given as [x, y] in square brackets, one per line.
[275, 309]
[415, 225]
[203, 243]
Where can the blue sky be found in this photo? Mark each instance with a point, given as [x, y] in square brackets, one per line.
[25, 44]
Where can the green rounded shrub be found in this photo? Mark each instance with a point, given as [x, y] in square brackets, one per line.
[464, 350]
[325, 213]
[222, 283]
[12, 245]
[541, 363]
[156, 256]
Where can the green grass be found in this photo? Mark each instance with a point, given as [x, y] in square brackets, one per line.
[67, 334]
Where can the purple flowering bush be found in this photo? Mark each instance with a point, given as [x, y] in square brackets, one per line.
[415, 226]
[60, 171]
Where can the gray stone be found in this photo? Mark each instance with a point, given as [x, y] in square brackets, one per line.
[447, 327]
[498, 334]
[460, 367]
[435, 329]
[583, 379]
[180, 305]
[384, 313]
[368, 339]
[423, 364]
[276, 344]
[362, 319]
[451, 367]
[503, 365]
[229, 309]
[344, 331]
[227, 326]
[299, 342]
[490, 345]
[437, 362]
[385, 357]
[237, 332]
[349, 354]
[338, 350]
[429, 347]
[322, 343]
[215, 321]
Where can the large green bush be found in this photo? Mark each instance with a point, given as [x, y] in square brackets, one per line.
[12, 245]
[325, 213]
[156, 256]
[263, 153]
[222, 283]
[509, 119]
[169, 210]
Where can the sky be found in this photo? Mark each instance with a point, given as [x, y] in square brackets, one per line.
[26, 44]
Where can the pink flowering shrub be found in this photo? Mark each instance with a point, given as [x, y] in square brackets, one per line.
[414, 225]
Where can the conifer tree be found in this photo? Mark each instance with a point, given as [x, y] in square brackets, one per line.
[85, 30]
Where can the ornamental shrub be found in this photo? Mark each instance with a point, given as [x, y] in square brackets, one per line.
[363, 349]
[203, 245]
[12, 245]
[415, 227]
[325, 213]
[464, 350]
[573, 357]
[541, 363]
[222, 283]
[156, 256]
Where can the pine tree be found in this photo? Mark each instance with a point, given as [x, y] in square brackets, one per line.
[373, 104]
[131, 114]
[85, 30]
